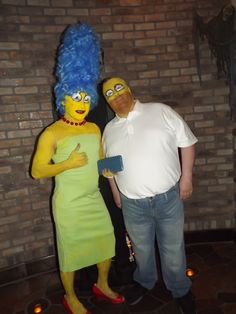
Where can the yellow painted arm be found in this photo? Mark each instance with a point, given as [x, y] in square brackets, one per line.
[43, 167]
[100, 153]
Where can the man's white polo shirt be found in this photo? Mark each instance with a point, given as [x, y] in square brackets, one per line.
[148, 140]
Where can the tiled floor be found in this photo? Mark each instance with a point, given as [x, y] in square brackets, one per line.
[214, 286]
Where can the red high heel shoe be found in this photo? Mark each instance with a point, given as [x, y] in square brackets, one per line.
[67, 307]
[99, 294]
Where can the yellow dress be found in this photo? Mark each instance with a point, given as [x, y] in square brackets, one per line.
[84, 230]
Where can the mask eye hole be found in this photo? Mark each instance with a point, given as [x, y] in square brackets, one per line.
[118, 87]
[87, 99]
[109, 93]
[76, 97]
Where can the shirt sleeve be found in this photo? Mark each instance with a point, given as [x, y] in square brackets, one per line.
[184, 135]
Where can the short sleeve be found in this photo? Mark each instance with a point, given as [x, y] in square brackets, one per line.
[184, 135]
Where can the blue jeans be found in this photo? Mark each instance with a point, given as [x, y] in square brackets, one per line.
[162, 218]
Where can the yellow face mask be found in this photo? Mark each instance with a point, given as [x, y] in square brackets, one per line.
[114, 87]
[77, 105]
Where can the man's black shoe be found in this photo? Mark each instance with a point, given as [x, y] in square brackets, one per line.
[135, 294]
[187, 303]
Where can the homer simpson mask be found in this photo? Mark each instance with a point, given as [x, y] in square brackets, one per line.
[118, 95]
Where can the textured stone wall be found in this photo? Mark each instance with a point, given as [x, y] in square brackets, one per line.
[147, 42]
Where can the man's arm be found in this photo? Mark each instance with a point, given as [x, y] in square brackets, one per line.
[115, 192]
[187, 160]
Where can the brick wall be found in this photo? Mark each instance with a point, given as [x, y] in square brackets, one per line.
[149, 43]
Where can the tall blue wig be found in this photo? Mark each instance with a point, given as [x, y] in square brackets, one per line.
[78, 64]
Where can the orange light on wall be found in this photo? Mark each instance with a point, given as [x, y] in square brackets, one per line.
[190, 272]
[38, 308]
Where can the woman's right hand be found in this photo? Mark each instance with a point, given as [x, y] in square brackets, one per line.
[77, 159]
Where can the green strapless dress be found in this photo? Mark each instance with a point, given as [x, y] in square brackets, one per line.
[84, 230]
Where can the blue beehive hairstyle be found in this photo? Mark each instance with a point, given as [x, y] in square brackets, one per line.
[78, 64]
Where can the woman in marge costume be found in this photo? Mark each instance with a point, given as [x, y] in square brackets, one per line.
[69, 149]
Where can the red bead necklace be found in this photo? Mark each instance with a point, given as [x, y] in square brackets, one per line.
[73, 123]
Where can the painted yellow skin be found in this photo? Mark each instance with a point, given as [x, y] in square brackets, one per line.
[76, 109]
